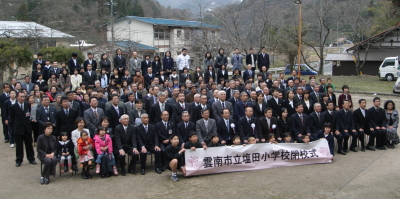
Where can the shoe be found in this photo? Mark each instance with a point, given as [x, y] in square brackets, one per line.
[65, 168]
[75, 168]
[84, 176]
[353, 149]
[174, 177]
[341, 152]
[98, 168]
[143, 172]
[383, 148]
[132, 171]
[138, 162]
[11, 145]
[370, 148]
[346, 150]
[115, 170]
[163, 168]
[18, 164]
[47, 181]
[6, 141]
[42, 181]
[32, 162]
[158, 170]
[380, 148]
[363, 149]
[123, 173]
[89, 176]
[103, 176]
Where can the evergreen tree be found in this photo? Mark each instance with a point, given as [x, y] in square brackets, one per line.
[23, 12]
[137, 9]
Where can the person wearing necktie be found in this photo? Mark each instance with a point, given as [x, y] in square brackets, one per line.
[248, 126]
[300, 123]
[164, 129]
[316, 121]
[119, 62]
[346, 127]
[378, 123]
[362, 119]
[227, 128]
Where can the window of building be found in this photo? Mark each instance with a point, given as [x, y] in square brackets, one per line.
[159, 34]
[161, 54]
[178, 33]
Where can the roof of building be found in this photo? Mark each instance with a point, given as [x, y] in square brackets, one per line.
[171, 22]
[339, 57]
[134, 45]
[375, 37]
[23, 29]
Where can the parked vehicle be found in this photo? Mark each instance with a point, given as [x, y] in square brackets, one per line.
[389, 68]
[304, 70]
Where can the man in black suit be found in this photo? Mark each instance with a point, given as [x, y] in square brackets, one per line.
[134, 91]
[72, 103]
[241, 105]
[293, 77]
[20, 114]
[91, 61]
[46, 113]
[54, 69]
[127, 77]
[3, 98]
[251, 59]
[184, 127]
[263, 59]
[267, 125]
[378, 122]
[299, 123]
[115, 112]
[331, 116]
[346, 127]
[315, 95]
[153, 99]
[164, 129]
[227, 128]
[249, 73]
[126, 142]
[235, 98]
[179, 107]
[148, 141]
[276, 103]
[248, 126]
[119, 62]
[89, 76]
[65, 118]
[73, 63]
[146, 63]
[39, 60]
[148, 78]
[196, 113]
[158, 108]
[362, 123]
[315, 121]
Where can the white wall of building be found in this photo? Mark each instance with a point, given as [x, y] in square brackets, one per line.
[136, 31]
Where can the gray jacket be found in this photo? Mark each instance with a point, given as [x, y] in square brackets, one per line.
[208, 62]
[134, 66]
[237, 63]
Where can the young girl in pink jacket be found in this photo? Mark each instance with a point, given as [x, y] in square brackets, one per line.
[105, 158]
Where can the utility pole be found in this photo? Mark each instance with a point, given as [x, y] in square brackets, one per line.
[111, 4]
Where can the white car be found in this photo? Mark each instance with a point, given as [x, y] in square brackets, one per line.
[396, 86]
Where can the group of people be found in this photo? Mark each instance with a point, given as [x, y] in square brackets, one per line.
[147, 107]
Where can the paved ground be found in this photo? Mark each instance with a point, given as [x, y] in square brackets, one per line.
[356, 175]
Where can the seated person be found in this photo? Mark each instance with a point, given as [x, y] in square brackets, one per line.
[306, 139]
[237, 141]
[194, 142]
[252, 140]
[47, 149]
[105, 158]
[214, 141]
[326, 134]
[287, 138]
[272, 139]
[65, 152]
[174, 157]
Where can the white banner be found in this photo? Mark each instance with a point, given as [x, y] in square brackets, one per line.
[255, 156]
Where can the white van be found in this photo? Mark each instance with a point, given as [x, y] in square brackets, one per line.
[389, 68]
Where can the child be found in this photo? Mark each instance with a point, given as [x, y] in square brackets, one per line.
[65, 150]
[214, 141]
[194, 142]
[236, 141]
[271, 138]
[306, 139]
[325, 133]
[174, 155]
[103, 146]
[85, 155]
[329, 82]
[287, 138]
[252, 140]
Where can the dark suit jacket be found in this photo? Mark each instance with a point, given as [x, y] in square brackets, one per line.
[90, 79]
[148, 79]
[162, 132]
[314, 123]
[297, 127]
[333, 99]
[120, 63]
[177, 111]
[168, 63]
[360, 121]
[196, 113]
[43, 63]
[233, 102]
[112, 114]
[94, 64]
[72, 66]
[245, 130]
[314, 98]
[345, 121]
[156, 67]
[258, 113]
[149, 139]
[66, 123]
[3, 99]
[220, 76]
[263, 129]
[155, 112]
[239, 109]
[246, 75]
[276, 107]
[331, 119]
[21, 118]
[263, 61]
[183, 78]
[329, 138]
[224, 133]
[145, 66]
[308, 110]
[183, 133]
[207, 76]
[248, 59]
[125, 140]
[378, 118]
[41, 118]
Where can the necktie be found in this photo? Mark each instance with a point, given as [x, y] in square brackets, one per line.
[22, 106]
[155, 100]
[186, 126]
[183, 106]
[250, 72]
[248, 121]
[377, 110]
[95, 114]
[206, 124]
[331, 113]
[223, 105]
[363, 112]
[319, 119]
[47, 110]
[132, 105]
[345, 112]
[117, 110]
[145, 128]
[125, 128]
[67, 112]
[227, 124]
[162, 107]
[165, 124]
[301, 119]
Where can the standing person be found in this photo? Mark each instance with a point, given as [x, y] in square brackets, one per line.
[267, 125]
[90, 61]
[205, 127]
[236, 61]
[7, 120]
[378, 122]
[35, 73]
[164, 129]
[90, 76]
[114, 112]
[179, 107]
[331, 116]
[299, 122]
[119, 62]
[362, 124]
[392, 117]
[208, 74]
[168, 63]
[27, 84]
[157, 108]
[34, 124]
[73, 63]
[65, 79]
[221, 59]
[251, 59]
[208, 60]
[217, 107]
[93, 115]
[156, 65]
[222, 74]
[47, 150]
[39, 60]
[183, 61]
[76, 79]
[146, 63]
[105, 64]
[345, 96]
[263, 59]
[135, 63]
[46, 113]
[20, 114]
[65, 118]
[3, 98]
[260, 106]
